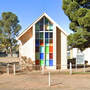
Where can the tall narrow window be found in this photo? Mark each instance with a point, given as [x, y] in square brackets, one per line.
[44, 42]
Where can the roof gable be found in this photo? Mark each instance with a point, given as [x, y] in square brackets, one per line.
[43, 15]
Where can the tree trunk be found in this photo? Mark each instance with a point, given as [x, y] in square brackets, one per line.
[11, 51]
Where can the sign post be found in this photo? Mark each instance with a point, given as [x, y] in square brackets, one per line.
[70, 68]
[80, 60]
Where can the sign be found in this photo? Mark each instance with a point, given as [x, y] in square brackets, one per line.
[80, 58]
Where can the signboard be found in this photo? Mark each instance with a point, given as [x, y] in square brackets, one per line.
[80, 58]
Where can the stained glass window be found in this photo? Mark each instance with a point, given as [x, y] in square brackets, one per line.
[44, 42]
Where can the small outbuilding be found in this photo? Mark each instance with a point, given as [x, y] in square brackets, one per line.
[45, 42]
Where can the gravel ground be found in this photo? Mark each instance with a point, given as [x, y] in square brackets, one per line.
[37, 81]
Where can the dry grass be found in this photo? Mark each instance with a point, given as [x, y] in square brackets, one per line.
[37, 81]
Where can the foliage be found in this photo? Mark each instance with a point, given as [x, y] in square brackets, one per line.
[78, 12]
[9, 29]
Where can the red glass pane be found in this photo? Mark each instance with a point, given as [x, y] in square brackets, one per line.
[51, 56]
[41, 42]
[37, 62]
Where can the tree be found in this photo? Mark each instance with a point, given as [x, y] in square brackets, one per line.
[78, 12]
[9, 29]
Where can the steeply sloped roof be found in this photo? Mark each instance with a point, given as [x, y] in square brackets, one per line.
[44, 14]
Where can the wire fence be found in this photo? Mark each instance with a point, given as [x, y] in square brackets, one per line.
[17, 68]
[44, 74]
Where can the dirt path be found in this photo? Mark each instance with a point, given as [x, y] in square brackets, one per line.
[33, 81]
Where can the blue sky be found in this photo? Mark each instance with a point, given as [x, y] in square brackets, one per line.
[29, 10]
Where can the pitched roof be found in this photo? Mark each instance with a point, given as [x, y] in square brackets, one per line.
[44, 14]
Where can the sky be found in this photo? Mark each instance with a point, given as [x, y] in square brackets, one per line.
[29, 10]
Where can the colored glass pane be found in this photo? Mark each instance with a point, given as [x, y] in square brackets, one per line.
[37, 49]
[42, 56]
[46, 34]
[47, 44]
[50, 55]
[46, 49]
[51, 49]
[37, 62]
[41, 34]
[37, 56]
[51, 41]
[42, 49]
[46, 41]
[37, 27]
[41, 42]
[47, 56]
[50, 62]
[37, 35]
[46, 21]
[50, 35]
[47, 62]
[51, 27]
[41, 62]
[37, 42]
[47, 27]
[41, 27]
[50, 44]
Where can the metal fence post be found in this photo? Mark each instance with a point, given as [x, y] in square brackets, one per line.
[49, 81]
[76, 67]
[14, 69]
[84, 67]
[70, 68]
[8, 68]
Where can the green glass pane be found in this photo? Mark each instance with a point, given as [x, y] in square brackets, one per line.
[46, 20]
[37, 56]
[41, 34]
[37, 27]
[47, 56]
[41, 62]
[46, 49]
[47, 62]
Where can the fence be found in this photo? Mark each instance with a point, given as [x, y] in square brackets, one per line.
[16, 67]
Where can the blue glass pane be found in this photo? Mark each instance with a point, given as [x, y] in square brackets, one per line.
[46, 34]
[37, 42]
[42, 56]
[50, 62]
